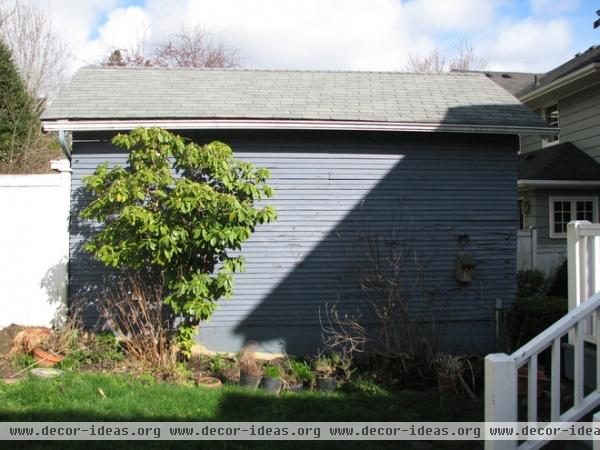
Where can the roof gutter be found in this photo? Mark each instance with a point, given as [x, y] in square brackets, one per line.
[561, 82]
[62, 139]
[558, 183]
[250, 124]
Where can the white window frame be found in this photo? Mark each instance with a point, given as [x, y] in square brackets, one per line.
[573, 200]
[545, 141]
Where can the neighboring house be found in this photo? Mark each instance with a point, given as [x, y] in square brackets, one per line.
[559, 176]
[426, 162]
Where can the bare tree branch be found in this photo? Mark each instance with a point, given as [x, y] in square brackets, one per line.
[460, 57]
[434, 62]
[464, 58]
[194, 48]
[41, 57]
[191, 47]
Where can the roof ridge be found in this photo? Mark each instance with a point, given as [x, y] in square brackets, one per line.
[238, 69]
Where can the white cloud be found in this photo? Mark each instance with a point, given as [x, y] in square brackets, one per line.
[530, 45]
[457, 15]
[331, 34]
[74, 20]
[124, 28]
[351, 34]
[553, 7]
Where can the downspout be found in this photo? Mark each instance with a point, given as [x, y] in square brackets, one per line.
[62, 139]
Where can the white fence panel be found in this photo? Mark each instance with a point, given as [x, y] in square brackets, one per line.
[527, 251]
[34, 247]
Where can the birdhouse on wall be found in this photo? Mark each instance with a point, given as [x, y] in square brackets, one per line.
[465, 267]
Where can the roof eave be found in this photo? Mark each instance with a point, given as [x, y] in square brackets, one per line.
[572, 184]
[274, 124]
[563, 82]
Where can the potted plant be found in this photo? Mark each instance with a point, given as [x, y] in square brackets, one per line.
[325, 373]
[250, 372]
[300, 376]
[451, 371]
[272, 381]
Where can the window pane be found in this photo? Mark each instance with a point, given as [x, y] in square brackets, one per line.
[585, 210]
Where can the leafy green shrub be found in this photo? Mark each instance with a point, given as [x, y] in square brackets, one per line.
[365, 386]
[559, 286]
[179, 230]
[531, 283]
[532, 315]
[217, 363]
[83, 348]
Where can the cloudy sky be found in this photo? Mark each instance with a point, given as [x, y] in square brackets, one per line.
[519, 35]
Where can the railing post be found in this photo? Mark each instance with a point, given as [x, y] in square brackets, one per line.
[596, 442]
[500, 395]
[574, 249]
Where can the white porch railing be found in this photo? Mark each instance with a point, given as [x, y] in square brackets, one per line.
[583, 253]
[580, 324]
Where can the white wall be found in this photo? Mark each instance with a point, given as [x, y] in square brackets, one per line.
[34, 247]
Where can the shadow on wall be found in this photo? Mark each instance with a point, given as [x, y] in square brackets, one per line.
[443, 187]
[54, 284]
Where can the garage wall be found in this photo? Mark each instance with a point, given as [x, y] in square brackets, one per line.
[419, 190]
[33, 247]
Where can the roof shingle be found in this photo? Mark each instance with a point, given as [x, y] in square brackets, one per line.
[153, 93]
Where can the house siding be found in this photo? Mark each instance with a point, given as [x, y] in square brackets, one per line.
[332, 188]
[579, 123]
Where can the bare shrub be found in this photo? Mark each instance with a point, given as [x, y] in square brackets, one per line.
[397, 303]
[134, 310]
[34, 156]
[345, 334]
[247, 361]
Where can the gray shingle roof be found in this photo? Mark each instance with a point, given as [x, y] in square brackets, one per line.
[513, 82]
[563, 161]
[153, 93]
[590, 56]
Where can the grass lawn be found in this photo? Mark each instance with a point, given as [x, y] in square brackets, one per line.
[74, 397]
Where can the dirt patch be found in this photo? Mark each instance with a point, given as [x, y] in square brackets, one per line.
[6, 338]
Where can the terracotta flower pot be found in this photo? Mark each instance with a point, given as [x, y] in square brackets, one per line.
[209, 382]
[446, 383]
[45, 359]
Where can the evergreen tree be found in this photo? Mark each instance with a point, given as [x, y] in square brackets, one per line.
[19, 119]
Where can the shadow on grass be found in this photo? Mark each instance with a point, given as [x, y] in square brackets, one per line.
[254, 407]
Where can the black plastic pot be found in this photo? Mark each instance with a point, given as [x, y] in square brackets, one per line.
[296, 387]
[326, 384]
[249, 381]
[271, 385]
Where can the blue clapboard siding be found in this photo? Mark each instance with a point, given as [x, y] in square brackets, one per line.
[332, 188]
